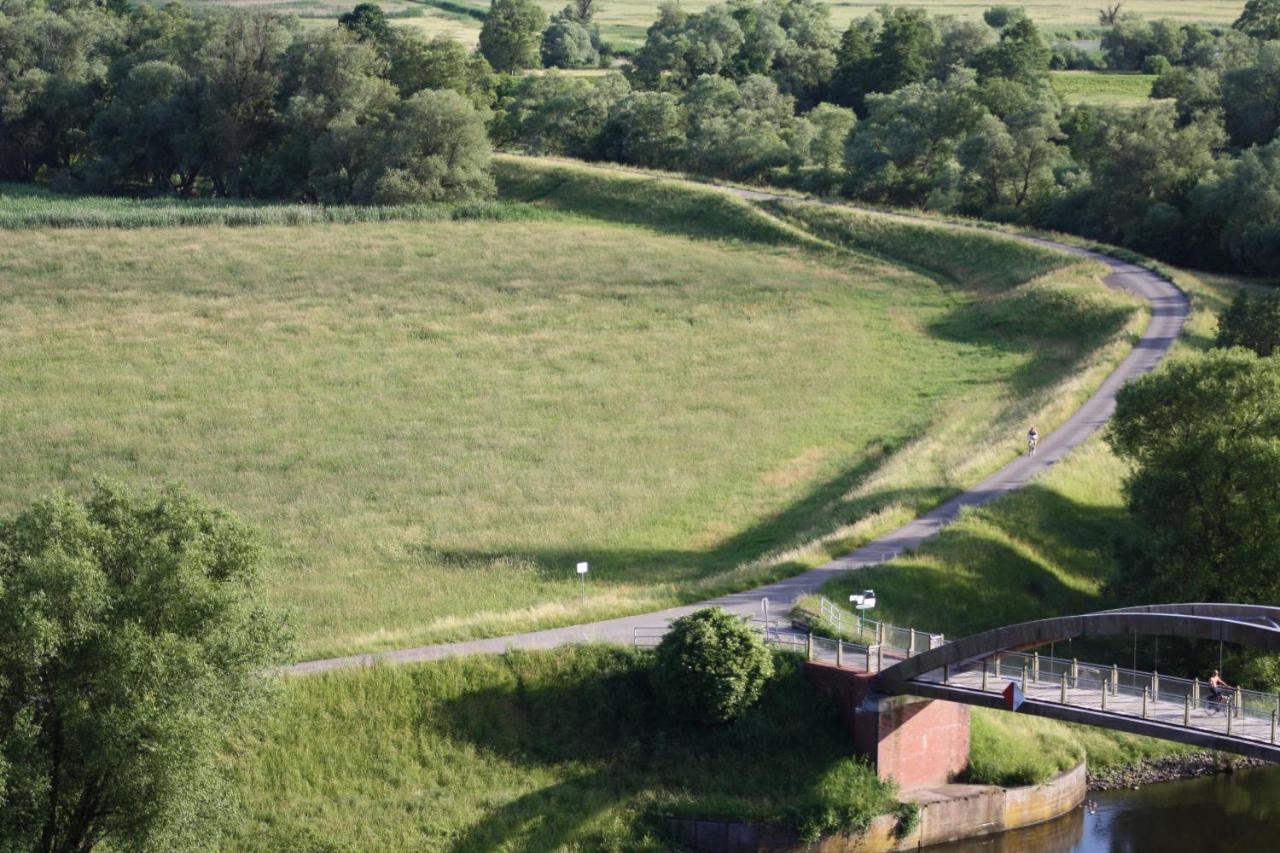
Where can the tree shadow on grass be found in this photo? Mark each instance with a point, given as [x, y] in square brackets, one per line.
[1033, 554]
[589, 716]
[824, 508]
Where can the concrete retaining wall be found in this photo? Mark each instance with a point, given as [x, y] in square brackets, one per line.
[947, 813]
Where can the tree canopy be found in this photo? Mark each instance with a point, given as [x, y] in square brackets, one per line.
[132, 640]
[1203, 435]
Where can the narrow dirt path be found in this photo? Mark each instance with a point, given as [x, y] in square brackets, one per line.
[1169, 310]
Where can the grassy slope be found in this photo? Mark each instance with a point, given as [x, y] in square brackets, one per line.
[532, 751]
[1043, 551]
[427, 418]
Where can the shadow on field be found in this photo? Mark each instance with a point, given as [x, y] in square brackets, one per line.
[1031, 555]
[1056, 329]
[589, 719]
[824, 508]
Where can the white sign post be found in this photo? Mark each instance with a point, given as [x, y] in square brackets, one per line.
[582, 573]
[863, 601]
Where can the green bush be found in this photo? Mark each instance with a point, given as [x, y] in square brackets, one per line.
[710, 667]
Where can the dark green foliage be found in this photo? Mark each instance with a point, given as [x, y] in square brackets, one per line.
[1260, 19]
[368, 22]
[710, 668]
[509, 38]
[132, 639]
[1021, 54]
[902, 51]
[648, 129]
[1000, 17]
[1240, 204]
[1204, 437]
[1251, 98]
[1252, 323]
[239, 104]
[568, 43]
[791, 41]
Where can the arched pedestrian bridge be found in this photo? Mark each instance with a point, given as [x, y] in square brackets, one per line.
[978, 670]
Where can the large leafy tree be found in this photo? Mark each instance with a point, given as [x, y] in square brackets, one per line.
[1260, 19]
[511, 36]
[1251, 322]
[1203, 435]
[132, 640]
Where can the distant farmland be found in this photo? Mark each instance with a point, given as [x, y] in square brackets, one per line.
[624, 21]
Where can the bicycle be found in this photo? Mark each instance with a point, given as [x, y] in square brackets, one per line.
[1218, 702]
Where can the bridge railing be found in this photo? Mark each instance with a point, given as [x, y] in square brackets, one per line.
[1157, 690]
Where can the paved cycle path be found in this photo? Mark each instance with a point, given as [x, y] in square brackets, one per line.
[1169, 309]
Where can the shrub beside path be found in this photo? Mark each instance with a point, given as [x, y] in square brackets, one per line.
[1169, 310]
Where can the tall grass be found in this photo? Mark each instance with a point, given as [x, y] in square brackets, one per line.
[533, 751]
[25, 206]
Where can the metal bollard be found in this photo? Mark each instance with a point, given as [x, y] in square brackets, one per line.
[879, 658]
[1230, 712]
[1063, 696]
[1273, 726]
[984, 676]
[946, 673]
[911, 642]
[1115, 680]
[1024, 679]
[997, 665]
[1075, 670]
[1104, 695]
[1155, 686]
[839, 653]
[1186, 711]
[808, 647]
[1146, 691]
[1035, 666]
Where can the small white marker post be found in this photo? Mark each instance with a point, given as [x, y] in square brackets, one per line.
[582, 573]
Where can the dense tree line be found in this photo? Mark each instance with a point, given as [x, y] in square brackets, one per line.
[901, 108]
[127, 97]
[957, 116]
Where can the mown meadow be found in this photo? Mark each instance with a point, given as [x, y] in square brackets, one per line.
[432, 421]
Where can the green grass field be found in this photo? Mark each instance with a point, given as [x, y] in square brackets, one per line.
[1092, 87]
[432, 421]
[560, 750]
[623, 22]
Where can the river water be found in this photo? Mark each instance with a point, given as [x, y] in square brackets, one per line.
[1237, 812]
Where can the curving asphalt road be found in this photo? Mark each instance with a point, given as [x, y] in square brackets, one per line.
[1169, 309]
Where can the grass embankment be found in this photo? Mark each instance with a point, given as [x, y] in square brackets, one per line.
[434, 421]
[1104, 88]
[25, 206]
[533, 751]
[1043, 551]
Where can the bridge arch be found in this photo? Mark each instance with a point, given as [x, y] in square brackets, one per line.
[1256, 626]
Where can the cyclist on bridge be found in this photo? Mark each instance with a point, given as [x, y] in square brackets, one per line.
[1216, 686]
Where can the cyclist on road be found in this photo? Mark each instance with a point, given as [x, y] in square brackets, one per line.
[1033, 438]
